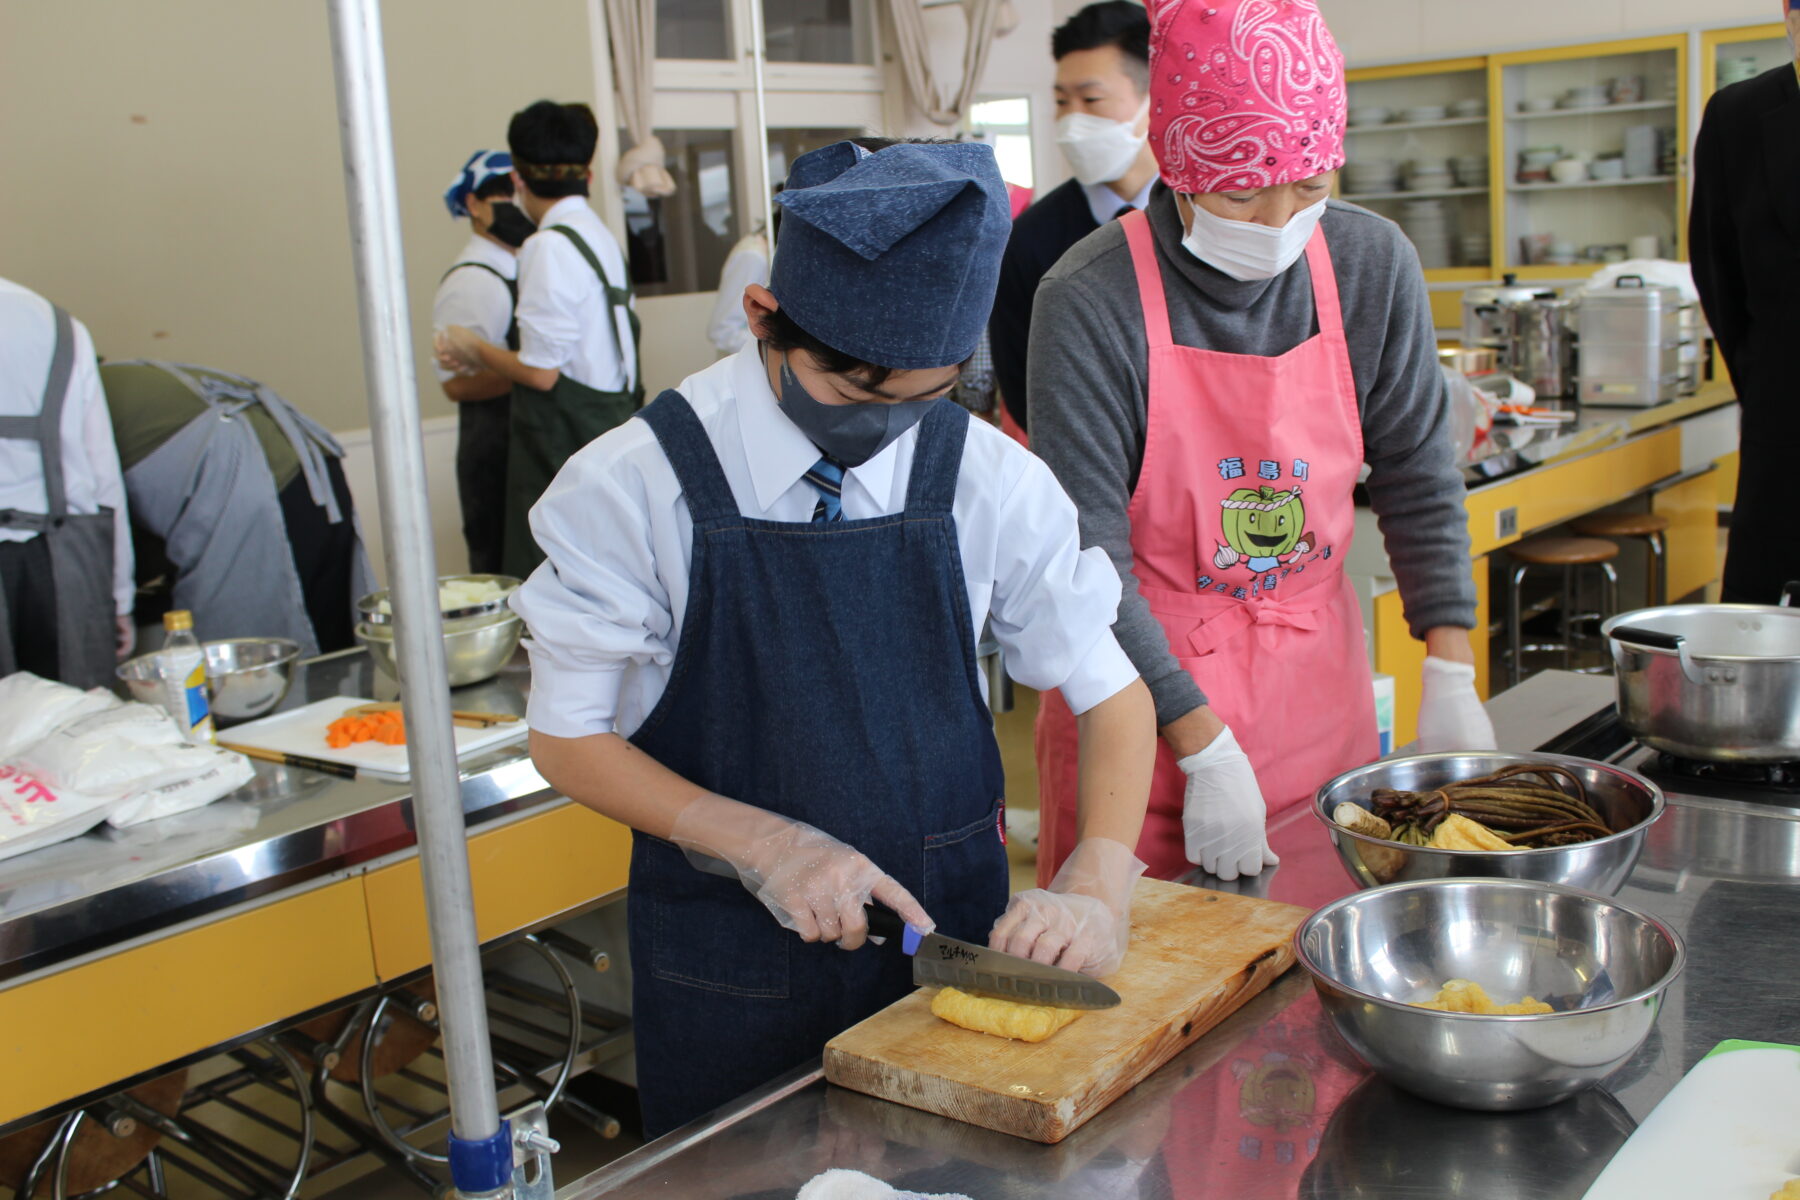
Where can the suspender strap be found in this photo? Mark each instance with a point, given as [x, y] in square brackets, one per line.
[615, 296]
[512, 290]
[46, 428]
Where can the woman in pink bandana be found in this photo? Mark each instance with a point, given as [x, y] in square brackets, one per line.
[1216, 371]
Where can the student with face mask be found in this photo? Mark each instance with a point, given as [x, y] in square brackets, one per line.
[479, 292]
[1102, 75]
[575, 373]
[1208, 378]
[754, 642]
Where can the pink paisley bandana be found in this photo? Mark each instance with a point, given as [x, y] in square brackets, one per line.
[1244, 93]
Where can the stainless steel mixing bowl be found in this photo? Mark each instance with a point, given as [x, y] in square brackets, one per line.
[1629, 802]
[247, 677]
[1601, 965]
[474, 652]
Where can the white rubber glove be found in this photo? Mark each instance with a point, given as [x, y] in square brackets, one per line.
[1083, 920]
[813, 883]
[1222, 811]
[1451, 716]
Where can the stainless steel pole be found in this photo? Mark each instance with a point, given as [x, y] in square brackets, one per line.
[759, 47]
[367, 135]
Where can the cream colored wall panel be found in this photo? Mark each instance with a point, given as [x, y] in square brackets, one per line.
[1371, 31]
[1455, 28]
[440, 485]
[675, 344]
[191, 197]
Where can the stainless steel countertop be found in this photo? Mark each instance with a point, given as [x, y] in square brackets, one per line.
[1269, 1106]
[286, 828]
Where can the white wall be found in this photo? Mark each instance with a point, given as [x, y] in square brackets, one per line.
[1372, 32]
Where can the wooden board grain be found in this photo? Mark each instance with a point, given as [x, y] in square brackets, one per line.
[1195, 957]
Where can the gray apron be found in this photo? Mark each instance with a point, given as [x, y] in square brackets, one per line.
[80, 544]
[209, 488]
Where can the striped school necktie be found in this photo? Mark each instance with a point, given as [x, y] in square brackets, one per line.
[827, 478]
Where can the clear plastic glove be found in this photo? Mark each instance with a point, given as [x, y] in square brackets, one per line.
[1222, 811]
[1083, 920]
[1451, 716]
[813, 883]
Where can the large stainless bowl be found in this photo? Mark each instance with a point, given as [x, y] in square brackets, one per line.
[1602, 966]
[1629, 802]
[474, 652]
[246, 677]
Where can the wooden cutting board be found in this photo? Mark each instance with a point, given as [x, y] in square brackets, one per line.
[1195, 957]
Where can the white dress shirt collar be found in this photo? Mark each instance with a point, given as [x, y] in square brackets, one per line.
[778, 452]
[484, 251]
[1103, 202]
[560, 212]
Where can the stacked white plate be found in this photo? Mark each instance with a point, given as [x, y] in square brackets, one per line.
[1373, 114]
[1472, 107]
[1365, 175]
[1476, 249]
[1429, 175]
[1426, 224]
[1424, 112]
[1471, 170]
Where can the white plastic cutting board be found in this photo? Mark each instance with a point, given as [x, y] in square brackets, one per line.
[1730, 1130]
[302, 731]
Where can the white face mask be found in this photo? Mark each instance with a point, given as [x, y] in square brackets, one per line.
[1099, 150]
[1246, 251]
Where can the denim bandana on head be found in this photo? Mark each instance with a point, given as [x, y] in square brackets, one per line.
[893, 257]
[482, 166]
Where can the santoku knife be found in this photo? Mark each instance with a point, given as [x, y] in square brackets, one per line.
[940, 961]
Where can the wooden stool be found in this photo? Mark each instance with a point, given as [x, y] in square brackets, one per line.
[1571, 554]
[1647, 525]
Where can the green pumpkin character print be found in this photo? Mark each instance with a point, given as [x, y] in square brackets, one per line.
[1263, 528]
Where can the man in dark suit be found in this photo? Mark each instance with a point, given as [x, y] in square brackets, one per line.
[1102, 92]
[1745, 243]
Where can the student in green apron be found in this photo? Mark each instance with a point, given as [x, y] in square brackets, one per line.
[575, 374]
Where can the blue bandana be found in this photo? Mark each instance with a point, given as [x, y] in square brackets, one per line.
[482, 166]
[893, 257]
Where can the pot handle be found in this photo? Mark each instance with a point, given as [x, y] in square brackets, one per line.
[1790, 591]
[1658, 640]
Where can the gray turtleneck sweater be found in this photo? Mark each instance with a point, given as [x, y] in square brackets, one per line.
[1089, 385]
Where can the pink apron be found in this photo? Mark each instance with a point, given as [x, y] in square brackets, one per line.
[1240, 525]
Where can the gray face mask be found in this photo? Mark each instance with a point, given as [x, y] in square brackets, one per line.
[850, 433]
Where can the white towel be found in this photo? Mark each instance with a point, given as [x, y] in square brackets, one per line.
[841, 1184]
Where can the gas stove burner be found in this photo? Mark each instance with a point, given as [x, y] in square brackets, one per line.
[1730, 778]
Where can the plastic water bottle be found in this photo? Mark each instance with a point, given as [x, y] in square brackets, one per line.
[182, 665]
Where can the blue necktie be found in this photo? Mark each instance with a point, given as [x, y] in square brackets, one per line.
[827, 476]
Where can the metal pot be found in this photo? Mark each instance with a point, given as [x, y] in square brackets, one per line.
[1485, 322]
[1541, 345]
[1716, 682]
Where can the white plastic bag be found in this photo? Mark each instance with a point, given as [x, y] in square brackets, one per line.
[34, 813]
[226, 773]
[32, 708]
[135, 754]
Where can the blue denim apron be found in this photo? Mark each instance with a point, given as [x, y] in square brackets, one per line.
[827, 673]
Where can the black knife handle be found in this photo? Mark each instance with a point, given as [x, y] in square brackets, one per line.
[884, 922]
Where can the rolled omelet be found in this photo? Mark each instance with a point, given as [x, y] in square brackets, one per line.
[1463, 996]
[1001, 1018]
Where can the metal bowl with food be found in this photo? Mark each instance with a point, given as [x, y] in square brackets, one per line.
[1716, 682]
[1627, 802]
[246, 677]
[1600, 966]
[473, 654]
[480, 631]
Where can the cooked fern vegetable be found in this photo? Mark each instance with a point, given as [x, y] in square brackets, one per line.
[1528, 806]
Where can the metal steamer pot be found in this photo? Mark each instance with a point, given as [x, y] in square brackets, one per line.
[1716, 682]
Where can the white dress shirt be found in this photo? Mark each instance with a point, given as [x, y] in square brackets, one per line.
[605, 610]
[1105, 203]
[474, 299]
[748, 263]
[562, 311]
[91, 476]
